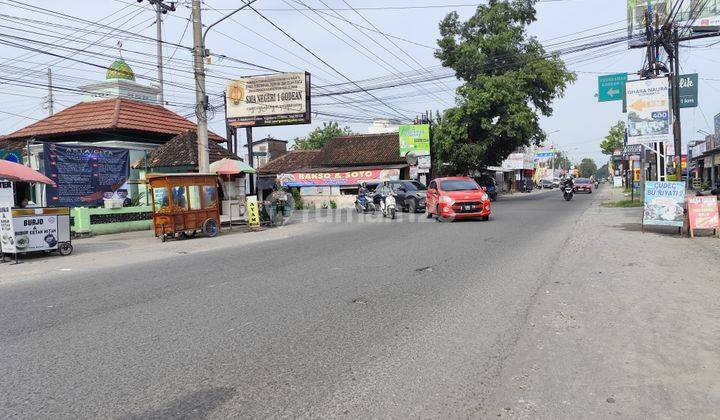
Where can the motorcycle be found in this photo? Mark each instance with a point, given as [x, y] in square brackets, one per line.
[567, 193]
[388, 207]
[364, 204]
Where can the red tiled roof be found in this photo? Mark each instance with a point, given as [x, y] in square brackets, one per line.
[292, 161]
[359, 150]
[182, 150]
[110, 114]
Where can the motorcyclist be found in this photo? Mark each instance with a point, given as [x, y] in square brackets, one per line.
[363, 192]
[567, 182]
[385, 190]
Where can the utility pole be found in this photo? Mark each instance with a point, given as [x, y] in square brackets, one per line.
[676, 102]
[160, 9]
[251, 159]
[200, 96]
[51, 99]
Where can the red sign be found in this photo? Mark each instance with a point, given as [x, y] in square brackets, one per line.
[309, 179]
[703, 212]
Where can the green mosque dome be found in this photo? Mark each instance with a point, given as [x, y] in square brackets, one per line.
[120, 70]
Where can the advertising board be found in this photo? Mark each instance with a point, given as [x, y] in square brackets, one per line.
[689, 15]
[309, 179]
[414, 138]
[703, 212]
[7, 232]
[277, 99]
[648, 119]
[664, 203]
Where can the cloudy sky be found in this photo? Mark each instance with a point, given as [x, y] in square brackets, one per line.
[374, 42]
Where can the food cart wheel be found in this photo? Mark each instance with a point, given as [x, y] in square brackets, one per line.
[65, 248]
[163, 237]
[189, 235]
[210, 228]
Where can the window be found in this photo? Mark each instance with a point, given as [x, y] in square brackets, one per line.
[180, 198]
[459, 185]
[194, 196]
[160, 200]
[210, 196]
[413, 186]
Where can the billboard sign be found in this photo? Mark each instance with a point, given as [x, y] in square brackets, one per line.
[277, 99]
[664, 203]
[84, 174]
[648, 103]
[611, 87]
[689, 16]
[703, 212]
[414, 138]
[310, 179]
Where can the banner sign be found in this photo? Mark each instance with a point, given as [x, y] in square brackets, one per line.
[36, 229]
[686, 14]
[253, 211]
[309, 179]
[84, 174]
[688, 90]
[414, 138]
[611, 87]
[278, 99]
[664, 203]
[703, 212]
[544, 155]
[648, 103]
[7, 232]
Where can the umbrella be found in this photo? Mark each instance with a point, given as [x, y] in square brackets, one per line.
[16, 172]
[227, 166]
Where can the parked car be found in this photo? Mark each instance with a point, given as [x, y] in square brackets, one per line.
[556, 183]
[457, 197]
[409, 195]
[488, 182]
[583, 185]
[546, 183]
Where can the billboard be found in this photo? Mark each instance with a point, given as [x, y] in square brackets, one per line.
[414, 138]
[83, 174]
[664, 203]
[277, 99]
[692, 14]
[648, 105]
[310, 179]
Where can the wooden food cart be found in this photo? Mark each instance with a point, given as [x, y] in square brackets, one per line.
[184, 204]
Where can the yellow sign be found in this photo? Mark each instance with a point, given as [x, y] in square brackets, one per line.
[636, 174]
[253, 212]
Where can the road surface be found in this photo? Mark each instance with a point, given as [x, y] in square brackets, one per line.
[353, 319]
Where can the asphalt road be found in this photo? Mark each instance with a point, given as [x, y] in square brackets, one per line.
[355, 319]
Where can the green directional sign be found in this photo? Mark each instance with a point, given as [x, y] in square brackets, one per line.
[611, 87]
[688, 90]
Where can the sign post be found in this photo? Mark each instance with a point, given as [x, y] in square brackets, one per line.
[611, 87]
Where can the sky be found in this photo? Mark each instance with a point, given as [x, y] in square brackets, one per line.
[325, 45]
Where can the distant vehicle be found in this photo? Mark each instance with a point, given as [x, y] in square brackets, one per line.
[488, 182]
[525, 185]
[409, 195]
[583, 185]
[457, 197]
[556, 183]
[547, 184]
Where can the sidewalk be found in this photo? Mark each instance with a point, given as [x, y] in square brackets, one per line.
[627, 325]
[130, 248]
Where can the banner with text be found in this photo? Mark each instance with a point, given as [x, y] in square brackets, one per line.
[277, 99]
[84, 174]
[703, 212]
[648, 104]
[664, 203]
[308, 179]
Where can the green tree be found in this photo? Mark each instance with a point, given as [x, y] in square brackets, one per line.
[321, 135]
[615, 139]
[588, 168]
[509, 82]
[603, 172]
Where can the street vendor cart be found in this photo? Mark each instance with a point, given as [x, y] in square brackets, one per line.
[25, 227]
[184, 204]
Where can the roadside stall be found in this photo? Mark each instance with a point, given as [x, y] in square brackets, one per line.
[232, 176]
[184, 204]
[25, 227]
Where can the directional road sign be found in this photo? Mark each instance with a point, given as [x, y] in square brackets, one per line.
[611, 87]
[688, 90]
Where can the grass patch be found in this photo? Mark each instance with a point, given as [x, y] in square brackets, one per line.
[622, 204]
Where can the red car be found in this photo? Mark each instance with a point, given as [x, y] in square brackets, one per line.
[457, 197]
[583, 185]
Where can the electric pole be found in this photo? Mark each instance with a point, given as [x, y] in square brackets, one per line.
[160, 9]
[200, 96]
[51, 99]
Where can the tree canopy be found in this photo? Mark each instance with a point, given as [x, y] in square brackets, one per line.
[588, 168]
[615, 138]
[321, 135]
[509, 82]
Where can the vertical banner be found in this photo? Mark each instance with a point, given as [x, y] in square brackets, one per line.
[84, 174]
[7, 230]
[703, 212]
[664, 203]
[253, 211]
[648, 105]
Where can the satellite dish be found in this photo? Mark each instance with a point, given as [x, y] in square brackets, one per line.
[411, 158]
